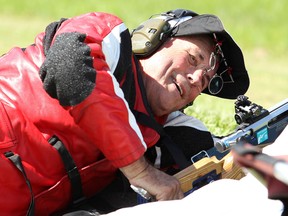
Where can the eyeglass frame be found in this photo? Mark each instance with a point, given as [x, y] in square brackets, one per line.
[212, 63]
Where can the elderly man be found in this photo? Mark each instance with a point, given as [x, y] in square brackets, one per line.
[80, 103]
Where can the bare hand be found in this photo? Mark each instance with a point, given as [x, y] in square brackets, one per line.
[156, 182]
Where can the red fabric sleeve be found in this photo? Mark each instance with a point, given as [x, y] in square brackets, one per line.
[104, 115]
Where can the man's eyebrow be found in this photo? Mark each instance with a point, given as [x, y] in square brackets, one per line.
[200, 56]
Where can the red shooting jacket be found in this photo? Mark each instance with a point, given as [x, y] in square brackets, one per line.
[80, 82]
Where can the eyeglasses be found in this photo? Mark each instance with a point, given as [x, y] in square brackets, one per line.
[212, 62]
[216, 83]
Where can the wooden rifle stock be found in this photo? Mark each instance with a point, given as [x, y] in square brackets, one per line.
[207, 170]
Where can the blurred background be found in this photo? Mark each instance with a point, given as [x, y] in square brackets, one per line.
[259, 27]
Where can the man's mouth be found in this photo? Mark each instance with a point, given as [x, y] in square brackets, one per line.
[178, 87]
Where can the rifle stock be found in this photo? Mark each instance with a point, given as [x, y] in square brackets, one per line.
[207, 170]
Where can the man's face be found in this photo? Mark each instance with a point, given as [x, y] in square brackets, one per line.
[175, 75]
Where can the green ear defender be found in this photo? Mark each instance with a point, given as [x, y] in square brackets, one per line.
[150, 35]
[153, 32]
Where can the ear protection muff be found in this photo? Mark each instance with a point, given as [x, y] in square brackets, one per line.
[150, 35]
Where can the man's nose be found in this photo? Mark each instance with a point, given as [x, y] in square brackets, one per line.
[196, 77]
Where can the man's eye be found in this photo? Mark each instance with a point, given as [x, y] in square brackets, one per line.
[192, 60]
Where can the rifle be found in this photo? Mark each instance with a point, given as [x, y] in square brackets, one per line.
[257, 126]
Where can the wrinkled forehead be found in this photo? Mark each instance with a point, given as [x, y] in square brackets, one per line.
[203, 43]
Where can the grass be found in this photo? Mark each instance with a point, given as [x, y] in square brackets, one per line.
[258, 26]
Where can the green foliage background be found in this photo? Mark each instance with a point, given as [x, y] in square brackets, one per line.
[259, 27]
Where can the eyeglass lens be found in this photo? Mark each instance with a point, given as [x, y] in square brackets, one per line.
[215, 85]
[212, 61]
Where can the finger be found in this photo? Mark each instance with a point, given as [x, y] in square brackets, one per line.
[180, 195]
